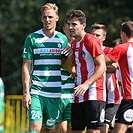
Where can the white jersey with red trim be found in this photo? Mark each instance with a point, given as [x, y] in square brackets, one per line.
[123, 54]
[113, 94]
[85, 52]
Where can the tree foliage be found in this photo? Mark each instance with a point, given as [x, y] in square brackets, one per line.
[18, 18]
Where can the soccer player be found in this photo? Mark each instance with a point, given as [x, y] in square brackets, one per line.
[64, 121]
[41, 74]
[113, 95]
[123, 54]
[88, 108]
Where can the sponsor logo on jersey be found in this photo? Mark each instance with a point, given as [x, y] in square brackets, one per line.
[50, 50]
[128, 115]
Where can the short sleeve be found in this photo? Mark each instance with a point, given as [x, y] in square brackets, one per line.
[27, 49]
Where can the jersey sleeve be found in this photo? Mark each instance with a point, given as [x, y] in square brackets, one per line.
[27, 49]
[116, 53]
[93, 46]
[64, 42]
[106, 50]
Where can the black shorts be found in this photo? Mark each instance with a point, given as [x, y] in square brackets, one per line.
[125, 112]
[88, 114]
[110, 113]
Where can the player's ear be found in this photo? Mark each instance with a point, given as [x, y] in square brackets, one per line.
[84, 25]
[104, 38]
[57, 18]
[123, 34]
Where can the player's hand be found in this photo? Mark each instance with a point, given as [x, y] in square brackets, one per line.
[81, 89]
[73, 73]
[68, 51]
[26, 100]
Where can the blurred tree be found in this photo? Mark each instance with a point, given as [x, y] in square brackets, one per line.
[19, 18]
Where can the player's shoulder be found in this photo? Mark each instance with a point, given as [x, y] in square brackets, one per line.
[35, 34]
[122, 46]
[106, 49]
[90, 37]
[59, 34]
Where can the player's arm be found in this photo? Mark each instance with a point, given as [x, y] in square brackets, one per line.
[68, 64]
[108, 60]
[111, 68]
[26, 68]
[68, 61]
[100, 62]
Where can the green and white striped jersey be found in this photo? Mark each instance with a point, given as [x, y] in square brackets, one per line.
[46, 55]
[67, 84]
[1, 99]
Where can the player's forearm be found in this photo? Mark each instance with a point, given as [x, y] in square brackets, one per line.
[25, 82]
[68, 63]
[111, 69]
[25, 79]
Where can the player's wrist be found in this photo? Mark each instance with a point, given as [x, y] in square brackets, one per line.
[87, 82]
[26, 92]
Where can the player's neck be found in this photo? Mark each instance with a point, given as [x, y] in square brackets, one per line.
[130, 40]
[48, 33]
[78, 38]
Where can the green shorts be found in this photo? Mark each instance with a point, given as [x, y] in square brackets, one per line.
[65, 110]
[43, 109]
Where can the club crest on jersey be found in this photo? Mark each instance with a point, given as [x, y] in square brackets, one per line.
[83, 54]
[59, 45]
